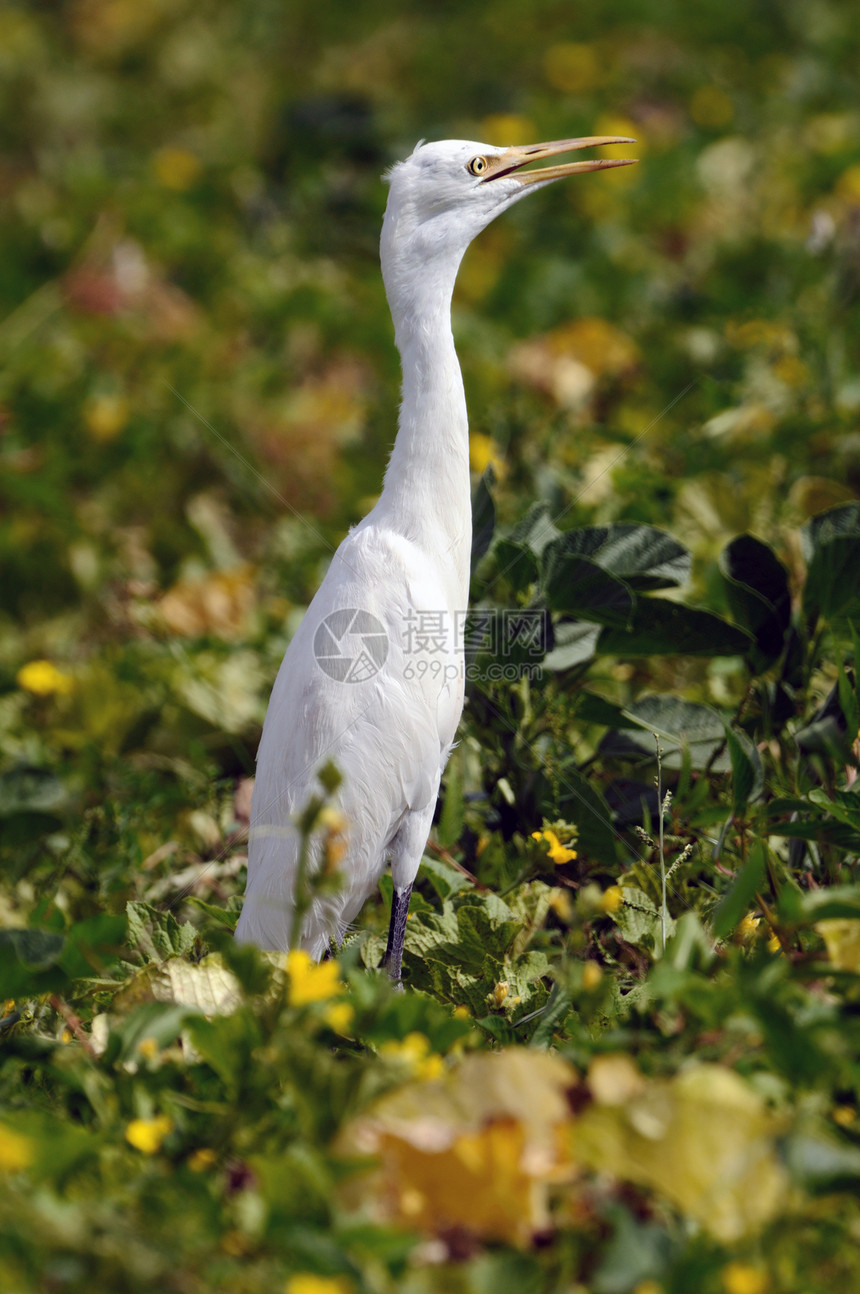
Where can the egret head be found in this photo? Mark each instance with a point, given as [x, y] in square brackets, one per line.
[445, 193]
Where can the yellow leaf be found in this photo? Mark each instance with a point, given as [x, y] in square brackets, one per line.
[218, 603]
[566, 362]
[704, 1139]
[842, 938]
[475, 1150]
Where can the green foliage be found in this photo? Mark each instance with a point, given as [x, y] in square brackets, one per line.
[197, 397]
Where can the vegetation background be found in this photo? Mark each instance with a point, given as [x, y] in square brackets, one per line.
[627, 1056]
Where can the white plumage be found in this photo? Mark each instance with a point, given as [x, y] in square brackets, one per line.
[389, 724]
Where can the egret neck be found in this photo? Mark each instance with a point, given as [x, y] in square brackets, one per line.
[426, 495]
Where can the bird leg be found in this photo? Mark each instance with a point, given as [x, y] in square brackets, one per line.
[397, 932]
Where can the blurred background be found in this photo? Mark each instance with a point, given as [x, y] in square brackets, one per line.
[199, 387]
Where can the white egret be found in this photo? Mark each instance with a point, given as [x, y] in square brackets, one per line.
[373, 679]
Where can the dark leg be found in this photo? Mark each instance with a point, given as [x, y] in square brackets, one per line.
[397, 932]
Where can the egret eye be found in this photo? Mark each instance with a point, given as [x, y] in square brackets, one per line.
[477, 166]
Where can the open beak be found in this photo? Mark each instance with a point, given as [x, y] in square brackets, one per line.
[510, 162]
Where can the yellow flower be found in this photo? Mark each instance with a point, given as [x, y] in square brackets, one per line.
[592, 974]
[507, 129]
[311, 981]
[741, 1278]
[612, 899]
[335, 840]
[414, 1052]
[307, 1283]
[176, 168]
[497, 997]
[561, 905]
[844, 1115]
[648, 1287]
[339, 1017]
[148, 1134]
[148, 1048]
[558, 852]
[42, 678]
[747, 928]
[200, 1160]
[106, 415]
[483, 453]
[16, 1151]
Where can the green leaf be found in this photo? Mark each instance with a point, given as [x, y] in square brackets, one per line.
[831, 546]
[451, 819]
[516, 565]
[658, 627]
[643, 556]
[535, 529]
[736, 903]
[681, 726]
[799, 907]
[31, 790]
[29, 962]
[821, 1164]
[158, 934]
[757, 593]
[574, 643]
[483, 516]
[580, 802]
[638, 919]
[747, 770]
[578, 586]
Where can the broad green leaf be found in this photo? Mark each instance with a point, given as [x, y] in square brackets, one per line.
[574, 642]
[30, 962]
[831, 546]
[736, 903]
[451, 819]
[681, 726]
[757, 592]
[638, 919]
[747, 770]
[822, 1164]
[580, 802]
[658, 627]
[31, 790]
[483, 516]
[836, 902]
[158, 934]
[535, 529]
[516, 565]
[842, 805]
[579, 586]
[642, 556]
